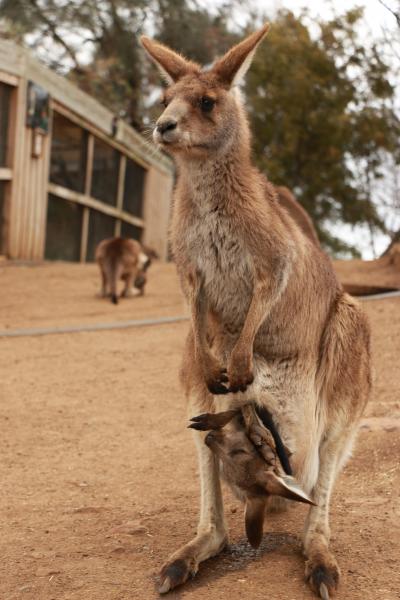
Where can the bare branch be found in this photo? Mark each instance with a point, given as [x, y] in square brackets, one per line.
[52, 28]
[393, 12]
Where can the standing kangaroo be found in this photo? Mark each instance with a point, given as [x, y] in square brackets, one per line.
[269, 321]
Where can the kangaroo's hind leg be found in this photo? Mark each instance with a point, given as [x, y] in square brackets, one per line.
[346, 375]
[211, 535]
[211, 532]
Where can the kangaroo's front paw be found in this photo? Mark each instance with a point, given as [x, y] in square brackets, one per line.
[240, 372]
[176, 572]
[216, 376]
[322, 574]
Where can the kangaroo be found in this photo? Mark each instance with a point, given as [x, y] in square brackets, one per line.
[120, 258]
[270, 323]
[297, 212]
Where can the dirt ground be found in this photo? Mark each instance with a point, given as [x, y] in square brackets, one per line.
[98, 471]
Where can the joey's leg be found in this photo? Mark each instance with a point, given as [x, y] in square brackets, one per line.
[211, 533]
[322, 570]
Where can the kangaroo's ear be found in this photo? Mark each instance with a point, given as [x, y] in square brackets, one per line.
[285, 486]
[172, 65]
[232, 67]
[254, 519]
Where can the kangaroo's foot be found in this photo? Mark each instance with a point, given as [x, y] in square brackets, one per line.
[322, 574]
[184, 563]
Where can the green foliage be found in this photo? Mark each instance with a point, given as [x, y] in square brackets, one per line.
[319, 108]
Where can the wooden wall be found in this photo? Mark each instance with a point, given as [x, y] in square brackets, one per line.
[157, 206]
[26, 211]
[28, 205]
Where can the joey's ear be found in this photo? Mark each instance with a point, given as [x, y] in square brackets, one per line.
[232, 67]
[172, 65]
[254, 519]
[214, 421]
[285, 486]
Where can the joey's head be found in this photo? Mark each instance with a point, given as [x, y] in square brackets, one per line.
[203, 113]
[245, 468]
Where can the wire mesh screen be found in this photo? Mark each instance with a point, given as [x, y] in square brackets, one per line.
[64, 227]
[133, 188]
[68, 154]
[5, 95]
[101, 226]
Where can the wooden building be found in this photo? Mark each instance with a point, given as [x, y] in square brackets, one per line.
[70, 174]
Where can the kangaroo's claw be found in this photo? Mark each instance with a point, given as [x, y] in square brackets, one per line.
[323, 592]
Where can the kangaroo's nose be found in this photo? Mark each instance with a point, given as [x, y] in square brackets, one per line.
[166, 126]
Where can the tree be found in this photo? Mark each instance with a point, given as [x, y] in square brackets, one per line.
[319, 109]
[96, 42]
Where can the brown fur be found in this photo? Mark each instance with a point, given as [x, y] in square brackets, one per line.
[270, 322]
[124, 259]
[297, 212]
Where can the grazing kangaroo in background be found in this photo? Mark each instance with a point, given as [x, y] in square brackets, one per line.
[270, 323]
[120, 258]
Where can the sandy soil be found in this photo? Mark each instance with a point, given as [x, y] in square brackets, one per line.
[55, 294]
[98, 471]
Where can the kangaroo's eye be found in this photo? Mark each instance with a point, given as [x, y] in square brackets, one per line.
[207, 104]
[164, 102]
[236, 452]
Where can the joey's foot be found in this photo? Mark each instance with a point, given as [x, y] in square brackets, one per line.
[322, 575]
[212, 421]
[175, 573]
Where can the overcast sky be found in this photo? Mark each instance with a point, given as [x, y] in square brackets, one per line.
[376, 16]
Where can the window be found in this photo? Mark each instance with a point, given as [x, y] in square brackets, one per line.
[105, 172]
[64, 227]
[101, 226]
[133, 188]
[5, 94]
[131, 231]
[68, 154]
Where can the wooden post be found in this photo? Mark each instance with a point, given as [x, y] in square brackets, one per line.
[88, 185]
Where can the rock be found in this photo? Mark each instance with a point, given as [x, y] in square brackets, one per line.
[132, 528]
[46, 571]
[88, 509]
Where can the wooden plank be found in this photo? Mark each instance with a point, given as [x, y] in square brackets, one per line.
[5, 174]
[89, 165]
[84, 234]
[120, 193]
[8, 78]
[157, 207]
[112, 211]
[121, 181]
[19, 175]
[12, 58]
[42, 216]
